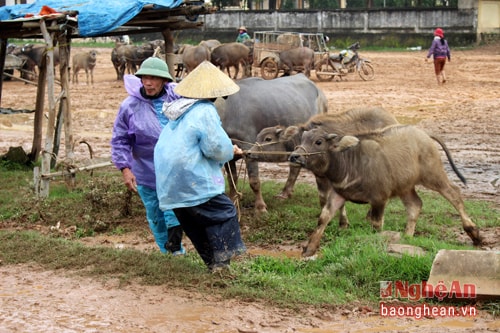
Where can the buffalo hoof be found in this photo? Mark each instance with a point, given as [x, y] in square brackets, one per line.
[311, 258]
[308, 253]
[473, 233]
[260, 211]
[284, 195]
[260, 207]
[343, 225]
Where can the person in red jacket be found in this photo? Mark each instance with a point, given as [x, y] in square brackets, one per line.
[440, 51]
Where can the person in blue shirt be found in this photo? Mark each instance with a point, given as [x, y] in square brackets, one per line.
[135, 131]
[188, 159]
[242, 35]
[440, 51]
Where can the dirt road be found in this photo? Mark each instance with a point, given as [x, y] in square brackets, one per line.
[465, 112]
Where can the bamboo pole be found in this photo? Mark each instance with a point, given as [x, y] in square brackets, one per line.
[169, 50]
[36, 146]
[47, 151]
[63, 115]
[3, 52]
[74, 170]
[19, 79]
[64, 42]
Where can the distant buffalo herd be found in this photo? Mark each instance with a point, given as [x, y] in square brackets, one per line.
[126, 58]
[32, 56]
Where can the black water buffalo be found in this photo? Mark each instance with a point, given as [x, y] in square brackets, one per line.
[33, 54]
[28, 68]
[210, 43]
[118, 60]
[128, 57]
[135, 55]
[230, 55]
[263, 103]
[193, 55]
[299, 58]
[273, 142]
[375, 167]
[37, 52]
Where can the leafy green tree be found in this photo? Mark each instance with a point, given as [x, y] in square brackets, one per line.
[355, 4]
[225, 3]
[324, 4]
[288, 4]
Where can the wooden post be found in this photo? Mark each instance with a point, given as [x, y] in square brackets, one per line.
[63, 115]
[47, 151]
[3, 52]
[64, 42]
[36, 146]
[169, 50]
[57, 134]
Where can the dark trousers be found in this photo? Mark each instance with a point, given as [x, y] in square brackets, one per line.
[214, 230]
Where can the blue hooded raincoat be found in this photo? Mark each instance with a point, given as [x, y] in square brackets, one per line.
[190, 154]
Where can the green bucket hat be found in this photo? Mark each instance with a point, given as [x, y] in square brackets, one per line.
[155, 67]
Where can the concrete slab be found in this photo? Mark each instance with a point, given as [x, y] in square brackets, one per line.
[460, 274]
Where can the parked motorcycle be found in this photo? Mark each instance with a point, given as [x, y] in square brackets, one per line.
[345, 62]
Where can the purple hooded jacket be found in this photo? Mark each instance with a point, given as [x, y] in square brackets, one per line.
[439, 49]
[136, 130]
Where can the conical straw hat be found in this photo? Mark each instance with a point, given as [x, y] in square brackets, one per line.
[206, 81]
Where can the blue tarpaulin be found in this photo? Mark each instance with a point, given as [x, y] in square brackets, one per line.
[94, 17]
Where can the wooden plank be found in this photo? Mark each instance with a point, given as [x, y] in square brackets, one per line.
[19, 79]
[75, 170]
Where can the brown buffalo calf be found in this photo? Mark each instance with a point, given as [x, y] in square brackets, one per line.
[85, 61]
[273, 143]
[375, 167]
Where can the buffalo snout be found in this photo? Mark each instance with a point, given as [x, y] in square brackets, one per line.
[251, 156]
[296, 158]
[254, 152]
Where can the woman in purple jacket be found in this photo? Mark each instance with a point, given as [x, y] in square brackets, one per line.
[135, 132]
[440, 51]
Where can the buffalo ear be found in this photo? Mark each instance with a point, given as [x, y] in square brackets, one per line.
[330, 136]
[279, 130]
[345, 142]
[290, 131]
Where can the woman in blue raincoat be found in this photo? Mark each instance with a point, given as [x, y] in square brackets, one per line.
[189, 157]
[135, 131]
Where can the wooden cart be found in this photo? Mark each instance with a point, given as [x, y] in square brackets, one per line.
[269, 44]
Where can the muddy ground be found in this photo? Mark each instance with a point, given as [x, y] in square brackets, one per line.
[464, 112]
